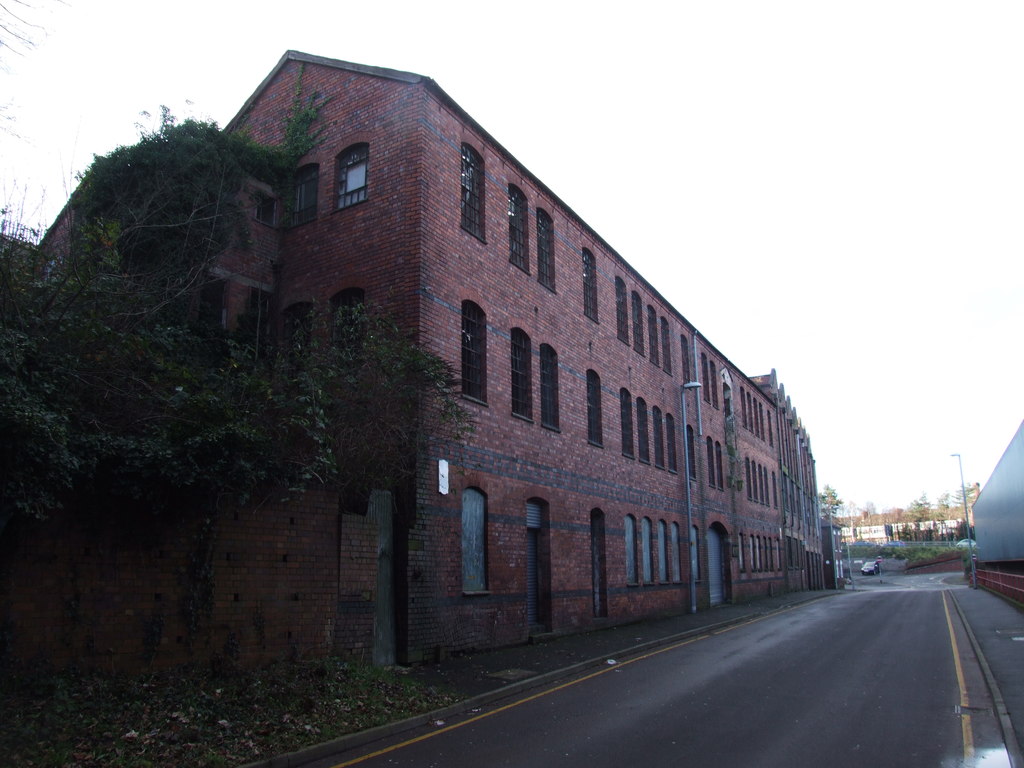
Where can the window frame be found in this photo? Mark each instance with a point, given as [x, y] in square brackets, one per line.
[471, 197]
[626, 422]
[589, 285]
[629, 541]
[666, 346]
[657, 436]
[306, 198]
[671, 458]
[349, 158]
[474, 351]
[545, 249]
[595, 431]
[549, 416]
[652, 335]
[718, 465]
[518, 229]
[647, 571]
[643, 445]
[621, 310]
[521, 370]
[637, 306]
[474, 556]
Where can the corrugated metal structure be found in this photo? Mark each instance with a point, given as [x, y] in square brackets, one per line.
[999, 510]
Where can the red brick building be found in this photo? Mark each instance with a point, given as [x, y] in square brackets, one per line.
[586, 495]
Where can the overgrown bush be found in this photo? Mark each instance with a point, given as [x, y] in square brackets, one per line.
[115, 389]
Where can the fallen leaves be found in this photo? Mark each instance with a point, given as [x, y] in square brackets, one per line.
[190, 716]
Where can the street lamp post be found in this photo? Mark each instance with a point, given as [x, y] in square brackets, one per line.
[686, 482]
[967, 519]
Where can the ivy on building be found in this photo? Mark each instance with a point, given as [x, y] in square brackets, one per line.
[119, 395]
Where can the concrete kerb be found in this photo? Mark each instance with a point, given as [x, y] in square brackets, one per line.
[1009, 733]
[353, 740]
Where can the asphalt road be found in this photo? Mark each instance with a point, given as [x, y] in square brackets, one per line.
[883, 678]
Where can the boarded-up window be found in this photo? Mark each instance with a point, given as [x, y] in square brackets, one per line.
[474, 530]
[630, 540]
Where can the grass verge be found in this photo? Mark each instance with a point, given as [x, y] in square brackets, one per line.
[191, 716]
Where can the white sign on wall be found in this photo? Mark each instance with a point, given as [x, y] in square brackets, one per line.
[442, 476]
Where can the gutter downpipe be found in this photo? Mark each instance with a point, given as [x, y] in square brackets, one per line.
[686, 482]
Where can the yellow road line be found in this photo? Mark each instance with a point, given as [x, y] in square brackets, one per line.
[965, 719]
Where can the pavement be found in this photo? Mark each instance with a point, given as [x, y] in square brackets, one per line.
[996, 629]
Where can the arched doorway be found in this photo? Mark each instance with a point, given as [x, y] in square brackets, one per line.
[538, 609]
[717, 563]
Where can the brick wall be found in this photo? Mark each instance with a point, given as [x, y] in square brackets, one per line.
[283, 580]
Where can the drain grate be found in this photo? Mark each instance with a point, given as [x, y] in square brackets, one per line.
[513, 674]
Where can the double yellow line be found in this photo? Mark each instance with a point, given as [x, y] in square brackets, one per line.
[965, 719]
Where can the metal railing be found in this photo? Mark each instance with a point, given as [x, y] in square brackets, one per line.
[1009, 584]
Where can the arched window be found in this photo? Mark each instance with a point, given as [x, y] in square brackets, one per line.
[652, 334]
[518, 231]
[548, 387]
[306, 181]
[674, 552]
[353, 175]
[718, 465]
[630, 541]
[704, 378]
[662, 551]
[545, 250]
[643, 447]
[522, 389]
[645, 550]
[711, 462]
[626, 417]
[638, 323]
[472, 198]
[474, 541]
[684, 357]
[658, 434]
[621, 310]
[589, 285]
[348, 318]
[670, 442]
[695, 553]
[474, 352]
[691, 452]
[666, 346]
[594, 428]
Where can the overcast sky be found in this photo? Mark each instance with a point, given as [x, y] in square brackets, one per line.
[831, 189]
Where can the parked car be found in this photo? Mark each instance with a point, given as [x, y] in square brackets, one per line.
[966, 544]
[870, 569]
